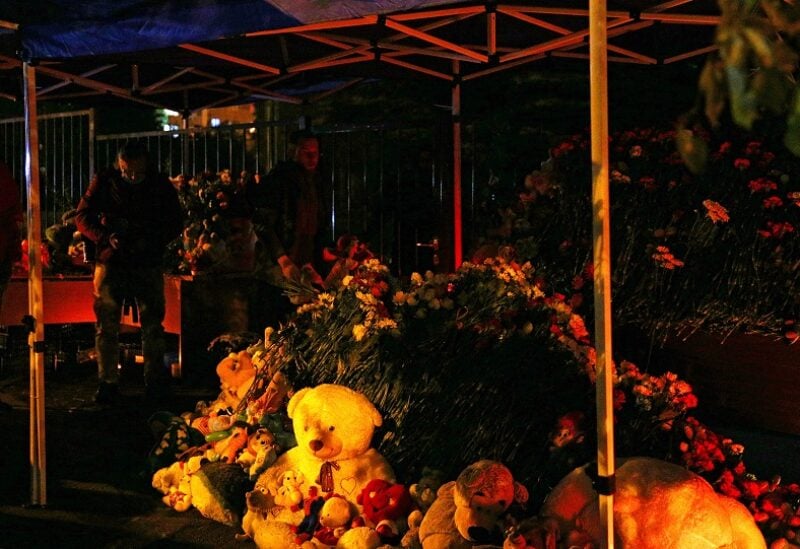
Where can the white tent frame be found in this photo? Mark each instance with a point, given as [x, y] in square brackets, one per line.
[601, 25]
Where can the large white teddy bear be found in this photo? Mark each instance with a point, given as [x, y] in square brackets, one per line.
[333, 426]
[657, 505]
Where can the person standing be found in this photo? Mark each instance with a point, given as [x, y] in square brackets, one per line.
[130, 214]
[291, 211]
[10, 223]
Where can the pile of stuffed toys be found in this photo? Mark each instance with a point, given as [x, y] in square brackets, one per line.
[294, 469]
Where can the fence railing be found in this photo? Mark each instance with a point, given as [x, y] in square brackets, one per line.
[66, 157]
[390, 186]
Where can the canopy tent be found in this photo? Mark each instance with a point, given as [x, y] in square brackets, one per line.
[192, 55]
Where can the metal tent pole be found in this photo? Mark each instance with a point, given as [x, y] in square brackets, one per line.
[598, 76]
[36, 338]
[458, 249]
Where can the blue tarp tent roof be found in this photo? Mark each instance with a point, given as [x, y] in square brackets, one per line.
[191, 54]
[68, 28]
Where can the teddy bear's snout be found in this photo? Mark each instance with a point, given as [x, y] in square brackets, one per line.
[478, 534]
[315, 445]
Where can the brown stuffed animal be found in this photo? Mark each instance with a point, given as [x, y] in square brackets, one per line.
[468, 512]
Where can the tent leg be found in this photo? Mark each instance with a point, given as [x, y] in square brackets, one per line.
[598, 76]
[35, 297]
[458, 245]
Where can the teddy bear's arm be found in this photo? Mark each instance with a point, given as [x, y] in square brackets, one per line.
[378, 466]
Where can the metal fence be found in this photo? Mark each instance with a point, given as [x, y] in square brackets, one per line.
[390, 186]
[240, 147]
[66, 157]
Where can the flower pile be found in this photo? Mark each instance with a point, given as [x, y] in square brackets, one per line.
[775, 505]
[211, 203]
[488, 362]
[488, 341]
[716, 250]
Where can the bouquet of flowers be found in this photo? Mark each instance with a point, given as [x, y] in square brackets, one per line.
[211, 203]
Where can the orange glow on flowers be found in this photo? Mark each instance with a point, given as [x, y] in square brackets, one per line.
[665, 259]
[716, 211]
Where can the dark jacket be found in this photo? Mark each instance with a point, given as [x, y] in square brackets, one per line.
[145, 216]
[275, 202]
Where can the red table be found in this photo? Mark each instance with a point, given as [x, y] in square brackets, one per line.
[68, 300]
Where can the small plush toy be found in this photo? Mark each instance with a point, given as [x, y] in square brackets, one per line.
[281, 428]
[180, 497]
[258, 503]
[656, 504]
[290, 492]
[385, 506]
[236, 374]
[259, 453]
[468, 512]
[226, 449]
[175, 483]
[411, 537]
[424, 492]
[312, 506]
[333, 426]
[167, 477]
[334, 517]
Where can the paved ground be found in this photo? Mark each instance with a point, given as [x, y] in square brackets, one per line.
[97, 492]
[98, 495]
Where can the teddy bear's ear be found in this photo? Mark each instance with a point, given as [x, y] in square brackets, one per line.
[520, 493]
[377, 420]
[295, 400]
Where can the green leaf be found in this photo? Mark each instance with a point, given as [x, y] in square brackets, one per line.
[692, 149]
[712, 85]
[772, 89]
[760, 44]
[792, 136]
[744, 105]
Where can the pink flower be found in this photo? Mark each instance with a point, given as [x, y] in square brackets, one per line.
[753, 147]
[762, 184]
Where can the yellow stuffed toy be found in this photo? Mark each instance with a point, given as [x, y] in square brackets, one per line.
[333, 426]
[290, 492]
[236, 374]
[175, 483]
